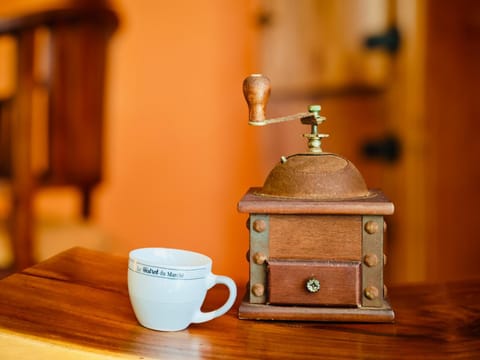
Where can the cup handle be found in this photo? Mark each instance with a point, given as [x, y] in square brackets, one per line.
[213, 280]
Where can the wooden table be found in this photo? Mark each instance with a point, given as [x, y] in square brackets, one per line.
[75, 305]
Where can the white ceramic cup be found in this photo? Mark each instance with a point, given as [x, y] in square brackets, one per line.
[167, 288]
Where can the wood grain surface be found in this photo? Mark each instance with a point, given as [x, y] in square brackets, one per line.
[319, 237]
[374, 204]
[77, 303]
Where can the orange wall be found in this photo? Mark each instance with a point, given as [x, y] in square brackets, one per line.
[179, 152]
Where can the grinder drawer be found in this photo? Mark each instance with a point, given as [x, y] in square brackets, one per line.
[314, 283]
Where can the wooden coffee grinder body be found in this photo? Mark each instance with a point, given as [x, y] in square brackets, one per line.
[316, 234]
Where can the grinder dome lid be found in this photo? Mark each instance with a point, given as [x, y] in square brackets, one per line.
[322, 176]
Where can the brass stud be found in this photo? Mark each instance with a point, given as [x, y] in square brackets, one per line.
[370, 260]
[259, 226]
[371, 292]
[259, 258]
[258, 289]
[384, 259]
[371, 227]
[385, 291]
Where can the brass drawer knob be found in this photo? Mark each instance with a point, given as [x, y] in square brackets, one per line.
[312, 285]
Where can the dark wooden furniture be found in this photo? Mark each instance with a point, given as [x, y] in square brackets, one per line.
[59, 87]
[76, 304]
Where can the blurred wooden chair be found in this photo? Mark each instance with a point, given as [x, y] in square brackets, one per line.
[51, 125]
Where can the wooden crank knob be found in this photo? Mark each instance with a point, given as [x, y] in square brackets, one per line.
[256, 89]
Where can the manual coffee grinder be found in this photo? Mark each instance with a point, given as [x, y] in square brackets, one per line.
[316, 232]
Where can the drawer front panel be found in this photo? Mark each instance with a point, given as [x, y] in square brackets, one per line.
[339, 283]
[325, 237]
